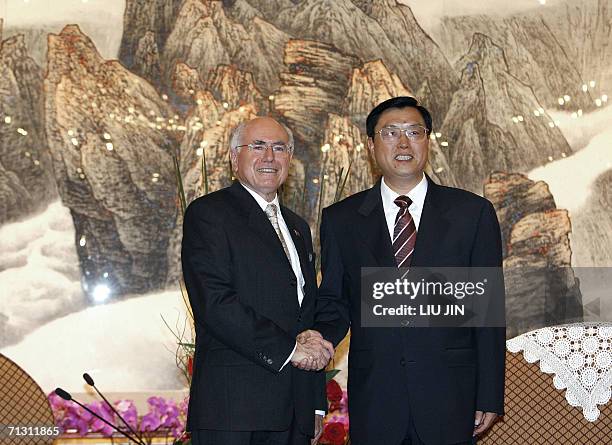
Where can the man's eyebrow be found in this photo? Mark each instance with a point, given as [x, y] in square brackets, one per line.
[413, 124]
[259, 141]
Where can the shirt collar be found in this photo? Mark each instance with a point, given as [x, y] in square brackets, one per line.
[262, 202]
[417, 194]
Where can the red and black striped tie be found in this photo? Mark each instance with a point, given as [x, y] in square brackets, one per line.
[404, 232]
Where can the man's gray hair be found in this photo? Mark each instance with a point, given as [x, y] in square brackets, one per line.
[237, 136]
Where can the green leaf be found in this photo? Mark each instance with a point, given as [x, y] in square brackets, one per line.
[338, 186]
[319, 210]
[348, 172]
[331, 374]
[179, 182]
[204, 172]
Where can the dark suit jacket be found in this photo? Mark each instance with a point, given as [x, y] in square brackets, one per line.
[439, 376]
[244, 299]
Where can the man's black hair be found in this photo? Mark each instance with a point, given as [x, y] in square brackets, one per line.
[396, 102]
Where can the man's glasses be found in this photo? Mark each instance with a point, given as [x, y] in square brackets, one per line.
[261, 147]
[414, 133]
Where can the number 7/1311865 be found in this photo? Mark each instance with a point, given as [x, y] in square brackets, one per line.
[29, 430]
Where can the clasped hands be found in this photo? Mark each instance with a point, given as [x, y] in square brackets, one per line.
[312, 352]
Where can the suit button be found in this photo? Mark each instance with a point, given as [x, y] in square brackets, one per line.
[270, 361]
[293, 282]
[403, 361]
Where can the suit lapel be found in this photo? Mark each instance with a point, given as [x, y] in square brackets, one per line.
[258, 222]
[298, 242]
[434, 223]
[305, 265]
[372, 227]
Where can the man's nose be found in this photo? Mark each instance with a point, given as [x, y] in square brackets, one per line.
[403, 139]
[268, 154]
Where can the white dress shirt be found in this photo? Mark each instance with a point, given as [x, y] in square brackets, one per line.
[294, 257]
[417, 195]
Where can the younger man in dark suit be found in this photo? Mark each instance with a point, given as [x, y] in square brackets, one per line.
[432, 386]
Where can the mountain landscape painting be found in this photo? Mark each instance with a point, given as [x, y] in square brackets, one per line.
[108, 109]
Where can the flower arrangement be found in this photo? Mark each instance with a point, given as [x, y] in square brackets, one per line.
[185, 339]
[165, 418]
[185, 336]
[336, 423]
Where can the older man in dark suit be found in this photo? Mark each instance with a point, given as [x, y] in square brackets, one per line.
[428, 386]
[248, 265]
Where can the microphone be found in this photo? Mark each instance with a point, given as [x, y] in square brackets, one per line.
[89, 380]
[91, 383]
[63, 394]
[66, 396]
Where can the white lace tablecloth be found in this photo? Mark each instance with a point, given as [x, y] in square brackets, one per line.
[580, 357]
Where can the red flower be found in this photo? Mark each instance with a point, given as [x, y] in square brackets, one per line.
[333, 434]
[335, 406]
[334, 392]
[190, 365]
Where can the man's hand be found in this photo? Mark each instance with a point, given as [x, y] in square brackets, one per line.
[483, 421]
[312, 355]
[308, 334]
[312, 352]
[318, 430]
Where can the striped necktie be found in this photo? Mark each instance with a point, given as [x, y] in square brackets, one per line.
[271, 212]
[404, 233]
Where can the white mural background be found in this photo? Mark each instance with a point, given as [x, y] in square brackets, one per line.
[54, 329]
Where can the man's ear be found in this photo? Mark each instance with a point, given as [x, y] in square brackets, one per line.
[234, 159]
[370, 143]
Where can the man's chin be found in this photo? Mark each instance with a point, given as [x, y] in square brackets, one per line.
[268, 189]
[270, 185]
[408, 172]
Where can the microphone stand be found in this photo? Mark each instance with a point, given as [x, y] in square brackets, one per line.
[66, 396]
[91, 383]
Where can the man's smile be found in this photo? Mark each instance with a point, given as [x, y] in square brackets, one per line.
[267, 170]
[403, 157]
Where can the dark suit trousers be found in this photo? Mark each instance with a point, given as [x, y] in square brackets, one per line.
[414, 440]
[293, 436]
[412, 437]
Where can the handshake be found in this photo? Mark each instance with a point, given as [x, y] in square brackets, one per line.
[312, 352]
